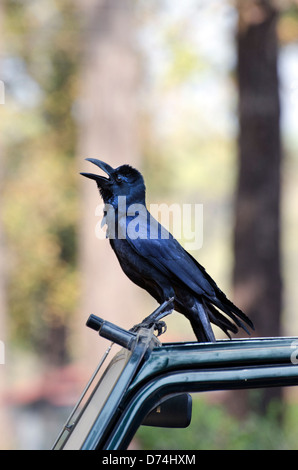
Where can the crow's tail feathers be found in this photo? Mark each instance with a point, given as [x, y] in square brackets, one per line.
[239, 319]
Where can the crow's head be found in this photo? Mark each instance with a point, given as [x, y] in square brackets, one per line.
[122, 181]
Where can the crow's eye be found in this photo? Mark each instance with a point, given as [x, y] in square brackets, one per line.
[118, 178]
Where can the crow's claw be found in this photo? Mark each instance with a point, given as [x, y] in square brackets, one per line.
[160, 326]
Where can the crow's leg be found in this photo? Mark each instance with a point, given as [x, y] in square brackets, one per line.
[154, 318]
[162, 311]
[200, 323]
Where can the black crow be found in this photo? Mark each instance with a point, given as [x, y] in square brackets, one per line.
[154, 260]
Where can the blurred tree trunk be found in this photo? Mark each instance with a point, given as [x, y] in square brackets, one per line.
[107, 118]
[257, 271]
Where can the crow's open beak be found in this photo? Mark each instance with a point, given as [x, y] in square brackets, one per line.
[103, 166]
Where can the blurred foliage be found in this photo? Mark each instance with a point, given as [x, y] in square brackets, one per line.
[189, 152]
[213, 428]
[183, 61]
[40, 206]
[40, 192]
[288, 24]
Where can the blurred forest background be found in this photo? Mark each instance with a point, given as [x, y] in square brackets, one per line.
[202, 97]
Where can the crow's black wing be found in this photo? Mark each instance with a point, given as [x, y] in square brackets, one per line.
[170, 258]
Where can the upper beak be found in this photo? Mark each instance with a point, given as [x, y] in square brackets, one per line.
[103, 166]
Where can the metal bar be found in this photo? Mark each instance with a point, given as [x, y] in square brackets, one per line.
[220, 354]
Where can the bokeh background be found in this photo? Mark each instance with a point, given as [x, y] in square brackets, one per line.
[202, 97]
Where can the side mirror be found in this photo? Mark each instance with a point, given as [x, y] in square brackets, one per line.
[174, 412]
